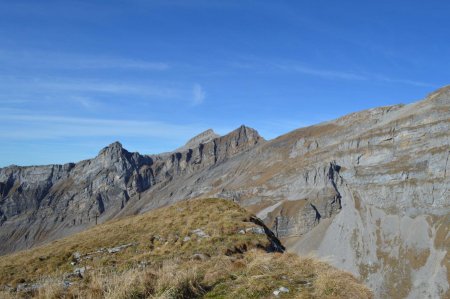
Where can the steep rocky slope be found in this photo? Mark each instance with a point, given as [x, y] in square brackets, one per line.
[370, 191]
[207, 248]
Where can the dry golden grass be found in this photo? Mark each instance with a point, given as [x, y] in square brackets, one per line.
[157, 235]
[228, 264]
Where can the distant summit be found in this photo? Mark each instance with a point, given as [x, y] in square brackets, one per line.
[113, 148]
[203, 137]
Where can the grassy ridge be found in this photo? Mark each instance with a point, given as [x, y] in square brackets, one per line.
[194, 249]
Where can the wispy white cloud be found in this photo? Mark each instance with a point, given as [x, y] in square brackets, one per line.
[56, 60]
[13, 101]
[331, 74]
[199, 94]
[104, 63]
[26, 126]
[403, 81]
[86, 102]
[302, 68]
[108, 87]
[84, 91]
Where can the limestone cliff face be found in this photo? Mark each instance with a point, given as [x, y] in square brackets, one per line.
[41, 203]
[393, 183]
[369, 191]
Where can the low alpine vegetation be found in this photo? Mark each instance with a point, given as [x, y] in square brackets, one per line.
[206, 248]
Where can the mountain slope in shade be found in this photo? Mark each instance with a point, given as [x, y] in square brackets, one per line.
[370, 191]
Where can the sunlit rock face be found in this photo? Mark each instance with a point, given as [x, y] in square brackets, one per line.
[368, 191]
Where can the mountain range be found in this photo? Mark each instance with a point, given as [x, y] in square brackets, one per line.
[368, 191]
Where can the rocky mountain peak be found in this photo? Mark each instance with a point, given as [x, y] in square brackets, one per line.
[245, 134]
[248, 130]
[113, 147]
[195, 141]
[203, 137]
[114, 150]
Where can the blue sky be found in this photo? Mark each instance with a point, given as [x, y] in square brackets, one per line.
[78, 75]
